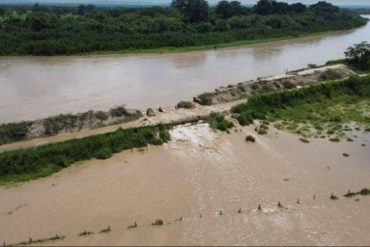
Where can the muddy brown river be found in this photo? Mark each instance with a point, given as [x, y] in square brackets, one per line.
[36, 87]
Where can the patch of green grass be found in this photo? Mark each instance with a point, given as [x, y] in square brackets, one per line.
[217, 121]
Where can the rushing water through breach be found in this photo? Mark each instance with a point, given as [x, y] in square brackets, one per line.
[36, 87]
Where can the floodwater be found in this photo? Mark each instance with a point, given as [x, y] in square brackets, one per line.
[200, 172]
[36, 87]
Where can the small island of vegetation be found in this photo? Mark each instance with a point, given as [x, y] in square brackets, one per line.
[185, 25]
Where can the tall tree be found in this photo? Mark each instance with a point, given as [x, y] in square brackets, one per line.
[227, 9]
[193, 10]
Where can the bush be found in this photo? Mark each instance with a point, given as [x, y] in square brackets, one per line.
[218, 121]
[104, 153]
[250, 138]
[13, 132]
[185, 105]
[118, 111]
[330, 75]
[102, 116]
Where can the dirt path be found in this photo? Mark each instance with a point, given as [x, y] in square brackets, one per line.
[201, 172]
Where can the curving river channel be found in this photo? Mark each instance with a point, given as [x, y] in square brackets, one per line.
[36, 87]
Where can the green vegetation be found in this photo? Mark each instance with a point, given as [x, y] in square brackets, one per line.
[363, 192]
[309, 110]
[102, 116]
[217, 121]
[25, 164]
[357, 57]
[185, 105]
[158, 222]
[50, 126]
[330, 75]
[13, 132]
[250, 138]
[262, 129]
[118, 111]
[187, 24]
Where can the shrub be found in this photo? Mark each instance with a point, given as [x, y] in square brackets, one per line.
[185, 105]
[205, 99]
[250, 138]
[363, 192]
[104, 153]
[330, 75]
[218, 121]
[13, 132]
[118, 111]
[102, 116]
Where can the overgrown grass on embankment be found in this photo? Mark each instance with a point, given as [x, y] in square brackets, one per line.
[19, 131]
[31, 163]
[320, 106]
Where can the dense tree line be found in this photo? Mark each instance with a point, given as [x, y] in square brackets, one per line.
[45, 30]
